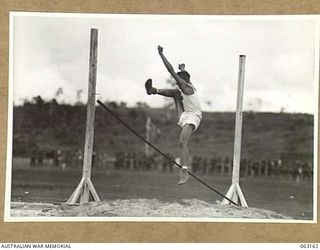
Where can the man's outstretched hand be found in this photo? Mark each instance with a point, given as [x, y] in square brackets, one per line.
[160, 49]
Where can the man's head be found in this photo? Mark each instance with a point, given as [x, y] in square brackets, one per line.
[184, 75]
[182, 66]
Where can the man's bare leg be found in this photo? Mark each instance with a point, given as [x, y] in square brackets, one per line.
[186, 130]
[185, 157]
[174, 93]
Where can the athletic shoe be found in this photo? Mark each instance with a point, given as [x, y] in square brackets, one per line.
[150, 90]
[184, 176]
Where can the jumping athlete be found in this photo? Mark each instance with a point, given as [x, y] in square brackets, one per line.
[188, 110]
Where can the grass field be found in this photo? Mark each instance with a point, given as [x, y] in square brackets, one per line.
[47, 184]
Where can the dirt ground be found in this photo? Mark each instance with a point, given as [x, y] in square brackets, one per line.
[142, 208]
[42, 192]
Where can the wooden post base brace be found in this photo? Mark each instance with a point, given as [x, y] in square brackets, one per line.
[235, 194]
[83, 191]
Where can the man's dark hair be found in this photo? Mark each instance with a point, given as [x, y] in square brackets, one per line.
[184, 75]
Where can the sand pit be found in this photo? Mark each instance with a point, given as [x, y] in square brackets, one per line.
[150, 208]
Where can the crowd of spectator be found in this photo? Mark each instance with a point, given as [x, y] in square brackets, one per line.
[56, 158]
[294, 170]
[138, 161]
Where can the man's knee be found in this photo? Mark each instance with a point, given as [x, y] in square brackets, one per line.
[183, 143]
[185, 135]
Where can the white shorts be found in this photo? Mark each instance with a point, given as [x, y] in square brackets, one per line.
[189, 118]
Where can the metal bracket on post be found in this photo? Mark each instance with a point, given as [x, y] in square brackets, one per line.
[85, 186]
[235, 193]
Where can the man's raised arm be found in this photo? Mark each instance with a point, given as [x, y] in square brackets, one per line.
[181, 83]
[165, 61]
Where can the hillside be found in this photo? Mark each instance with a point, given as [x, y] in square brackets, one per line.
[51, 126]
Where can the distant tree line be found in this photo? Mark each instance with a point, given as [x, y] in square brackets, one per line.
[46, 125]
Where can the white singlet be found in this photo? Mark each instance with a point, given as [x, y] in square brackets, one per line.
[192, 110]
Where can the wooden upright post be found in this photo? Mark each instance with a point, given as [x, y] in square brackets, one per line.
[235, 193]
[148, 131]
[85, 186]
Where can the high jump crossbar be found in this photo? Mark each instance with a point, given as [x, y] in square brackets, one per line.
[160, 152]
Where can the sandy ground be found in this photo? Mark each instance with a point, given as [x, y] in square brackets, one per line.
[188, 208]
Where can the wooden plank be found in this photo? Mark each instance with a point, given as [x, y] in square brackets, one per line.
[83, 189]
[148, 130]
[89, 136]
[93, 191]
[228, 195]
[243, 201]
[235, 192]
[75, 195]
[238, 126]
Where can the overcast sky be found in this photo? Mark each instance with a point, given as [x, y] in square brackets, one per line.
[52, 52]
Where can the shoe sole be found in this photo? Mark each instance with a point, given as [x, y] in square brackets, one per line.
[148, 86]
[181, 182]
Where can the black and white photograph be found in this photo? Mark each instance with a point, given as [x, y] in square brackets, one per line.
[143, 117]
